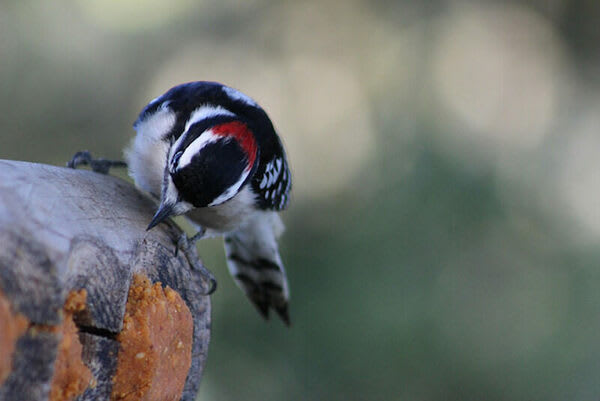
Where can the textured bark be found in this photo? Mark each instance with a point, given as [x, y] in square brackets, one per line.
[64, 230]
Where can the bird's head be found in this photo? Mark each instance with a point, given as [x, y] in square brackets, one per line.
[208, 163]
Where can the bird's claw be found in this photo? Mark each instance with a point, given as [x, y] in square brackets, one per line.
[188, 247]
[102, 166]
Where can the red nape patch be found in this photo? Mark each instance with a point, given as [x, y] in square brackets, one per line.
[242, 134]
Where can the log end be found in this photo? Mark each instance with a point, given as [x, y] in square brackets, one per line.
[156, 344]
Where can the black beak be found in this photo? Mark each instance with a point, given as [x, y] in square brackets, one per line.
[164, 211]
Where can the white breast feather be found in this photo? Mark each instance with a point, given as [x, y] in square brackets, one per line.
[147, 154]
[227, 216]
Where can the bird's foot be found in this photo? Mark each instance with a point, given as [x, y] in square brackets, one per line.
[188, 247]
[102, 166]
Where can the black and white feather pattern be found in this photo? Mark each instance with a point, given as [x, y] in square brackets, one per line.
[254, 262]
[274, 184]
[272, 180]
[247, 217]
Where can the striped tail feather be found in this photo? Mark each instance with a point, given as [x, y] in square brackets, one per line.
[254, 262]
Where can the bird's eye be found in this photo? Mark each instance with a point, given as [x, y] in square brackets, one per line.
[175, 161]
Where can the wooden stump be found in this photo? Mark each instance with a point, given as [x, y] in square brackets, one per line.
[92, 306]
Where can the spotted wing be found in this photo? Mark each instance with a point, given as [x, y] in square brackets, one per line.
[273, 184]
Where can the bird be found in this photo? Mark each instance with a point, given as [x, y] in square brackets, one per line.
[211, 153]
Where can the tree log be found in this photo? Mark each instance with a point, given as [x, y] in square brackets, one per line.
[93, 306]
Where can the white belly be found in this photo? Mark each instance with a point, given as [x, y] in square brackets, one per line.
[227, 216]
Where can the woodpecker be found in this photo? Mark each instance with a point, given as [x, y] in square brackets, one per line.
[211, 153]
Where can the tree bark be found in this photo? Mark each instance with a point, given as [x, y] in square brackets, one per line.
[76, 262]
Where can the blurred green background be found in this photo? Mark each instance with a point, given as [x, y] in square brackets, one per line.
[442, 242]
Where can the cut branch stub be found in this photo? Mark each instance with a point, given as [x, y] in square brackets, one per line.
[73, 242]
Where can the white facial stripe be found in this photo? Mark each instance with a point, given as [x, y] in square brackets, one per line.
[171, 197]
[231, 191]
[204, 112]
[157, 125]
[237, 95]
[204, 139]
[201, 113]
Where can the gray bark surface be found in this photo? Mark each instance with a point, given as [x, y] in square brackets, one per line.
[63, 229]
